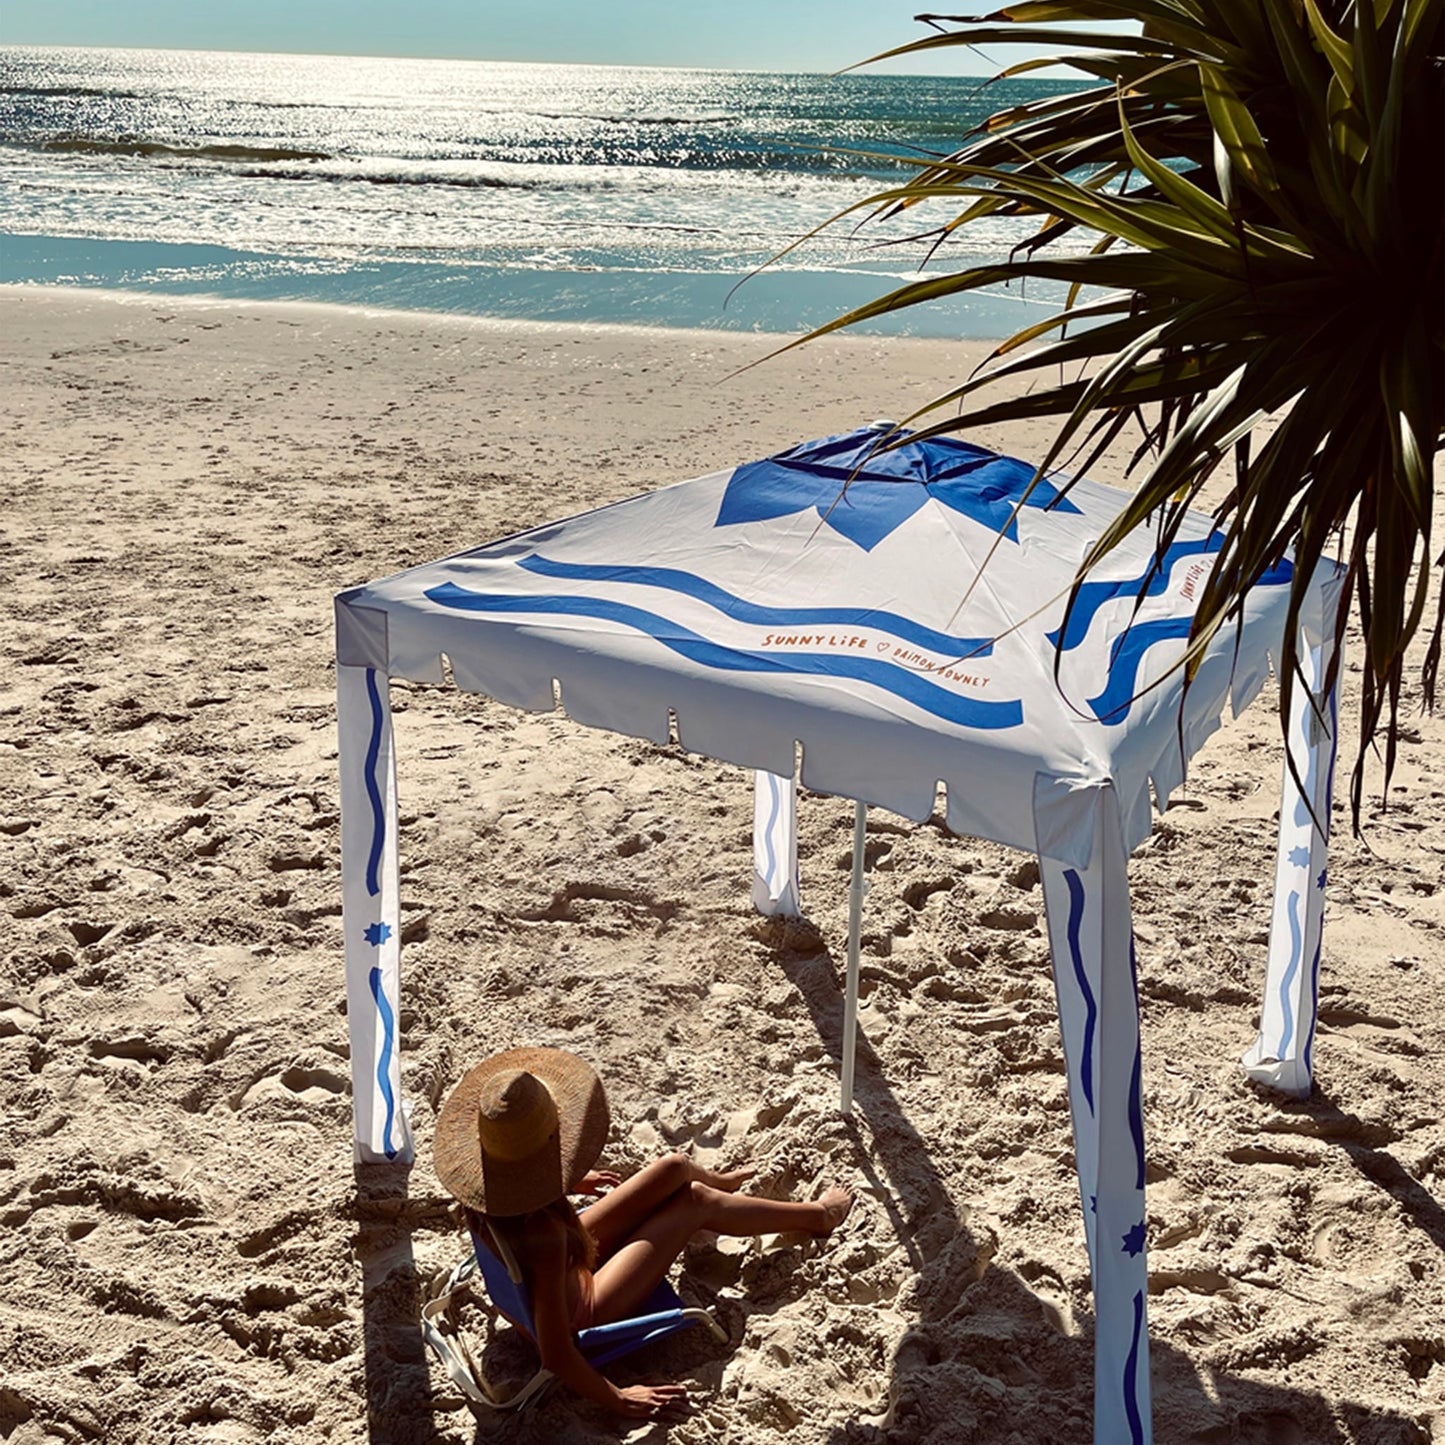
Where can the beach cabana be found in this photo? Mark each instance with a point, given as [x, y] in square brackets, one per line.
[849, 640]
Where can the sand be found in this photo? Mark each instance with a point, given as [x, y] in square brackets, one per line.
[188, 1254]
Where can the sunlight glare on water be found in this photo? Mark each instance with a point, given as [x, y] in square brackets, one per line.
[372, 166]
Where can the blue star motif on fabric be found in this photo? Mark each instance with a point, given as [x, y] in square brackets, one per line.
[1300, 857]
[1093, 1204]
[1320, 881]
[377, 933]
[884, 489]
[1134, 1240]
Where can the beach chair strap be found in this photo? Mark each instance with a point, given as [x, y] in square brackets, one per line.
[450, 1351]
[456, 1359]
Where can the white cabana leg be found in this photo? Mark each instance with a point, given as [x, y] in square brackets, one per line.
[857, 891]
[371, 912]
[1280, 1054]
[775, 845]
[1090, 936]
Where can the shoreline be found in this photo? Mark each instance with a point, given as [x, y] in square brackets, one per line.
[764, 299]
[462, 319]
[185, 486]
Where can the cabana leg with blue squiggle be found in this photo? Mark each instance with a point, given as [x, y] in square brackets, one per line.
[371, 905]
[1091, 938]
[1281, 1055]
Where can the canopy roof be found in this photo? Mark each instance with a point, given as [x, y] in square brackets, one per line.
[837, 597]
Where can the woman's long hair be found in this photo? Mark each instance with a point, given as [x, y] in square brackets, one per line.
[518, 1230]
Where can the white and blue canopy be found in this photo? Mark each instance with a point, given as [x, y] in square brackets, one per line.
[826, 616]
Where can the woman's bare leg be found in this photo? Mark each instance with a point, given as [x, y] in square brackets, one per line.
[617, 1215]
[637, 1264]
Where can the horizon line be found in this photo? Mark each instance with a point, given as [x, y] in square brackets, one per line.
[855, 67]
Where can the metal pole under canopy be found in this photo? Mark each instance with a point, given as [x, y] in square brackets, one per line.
[856, 891]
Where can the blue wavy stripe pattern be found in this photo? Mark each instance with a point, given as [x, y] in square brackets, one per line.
[373, 788]
[1093, 595]
[1136, 1086]
[1302, 815]
[1301, 808]
[1334, 745]
[900, 681]
[1149, 583]
[1117, 699]
[1314, 1008]
[1091, 1019]
[383, 1066]
[1296, 955]
[690, 585]
[1136, 1115]
[1329, 805]
[1131, 1376]
[1330, 798]
[777, 807]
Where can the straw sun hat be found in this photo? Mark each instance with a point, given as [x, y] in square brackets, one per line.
[520, 1130]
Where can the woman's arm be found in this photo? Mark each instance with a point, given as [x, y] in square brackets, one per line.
[558, 1345]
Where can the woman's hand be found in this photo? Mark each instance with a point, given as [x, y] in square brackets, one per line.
[648, 1402]
[595, 1181]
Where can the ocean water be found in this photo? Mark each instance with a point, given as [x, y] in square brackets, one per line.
[569, 193]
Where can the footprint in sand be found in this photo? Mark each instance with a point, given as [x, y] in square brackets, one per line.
[314, 1085]
[135, 1052]
[273, 1235]
[917, 894]
[310, 1086]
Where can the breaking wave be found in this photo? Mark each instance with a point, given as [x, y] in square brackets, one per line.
[136, 146]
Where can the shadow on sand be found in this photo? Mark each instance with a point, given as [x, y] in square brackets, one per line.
[1362, 1143]
[987, 1359]
[399, 1407]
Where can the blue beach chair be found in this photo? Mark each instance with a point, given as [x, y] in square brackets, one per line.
[663, 1313]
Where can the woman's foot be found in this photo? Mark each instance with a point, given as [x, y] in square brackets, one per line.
[836, 1203]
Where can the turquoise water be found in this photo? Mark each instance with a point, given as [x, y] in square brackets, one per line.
[570, 193]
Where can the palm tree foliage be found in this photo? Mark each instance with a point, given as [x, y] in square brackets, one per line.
[1263, 185]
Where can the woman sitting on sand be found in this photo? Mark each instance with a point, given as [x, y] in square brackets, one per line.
[522, 1131]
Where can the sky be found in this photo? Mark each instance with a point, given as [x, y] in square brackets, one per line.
[809, 35]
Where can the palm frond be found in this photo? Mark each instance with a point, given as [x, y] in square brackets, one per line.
[1262, 183]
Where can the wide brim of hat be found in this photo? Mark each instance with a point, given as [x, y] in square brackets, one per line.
[532, 1183]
